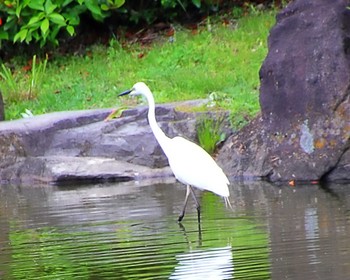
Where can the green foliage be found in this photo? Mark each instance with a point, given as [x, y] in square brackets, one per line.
[9, 86]
[209, 132]
[18, 87]
[36, 77]
[222, 63]
[42, 20]
[151, 10]
[28, 20]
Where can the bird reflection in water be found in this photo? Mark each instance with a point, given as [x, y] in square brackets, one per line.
[212, 263]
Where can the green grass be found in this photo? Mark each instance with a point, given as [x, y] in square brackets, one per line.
[224, 60]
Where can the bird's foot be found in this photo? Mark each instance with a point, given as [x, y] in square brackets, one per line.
[181, 217]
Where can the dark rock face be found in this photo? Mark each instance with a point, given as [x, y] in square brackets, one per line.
[303, 132]
[80, 147]
[307, 62]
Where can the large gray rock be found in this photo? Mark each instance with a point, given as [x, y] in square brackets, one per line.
[128, 138]
[81, 147]
[303, 132]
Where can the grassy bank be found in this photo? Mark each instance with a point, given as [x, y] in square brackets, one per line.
[220, 58]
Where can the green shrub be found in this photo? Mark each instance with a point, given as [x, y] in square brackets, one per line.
[42, 20]
[209, 132]
[151, 10]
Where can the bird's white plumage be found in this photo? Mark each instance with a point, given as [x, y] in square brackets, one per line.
[190, 164]
[193, 166]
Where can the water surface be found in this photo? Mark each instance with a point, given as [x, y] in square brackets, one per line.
[129, 231]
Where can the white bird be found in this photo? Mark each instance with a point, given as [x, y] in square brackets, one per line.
[190, 163]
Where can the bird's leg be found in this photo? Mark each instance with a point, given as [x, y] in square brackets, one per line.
[185, 204]
[197, 205]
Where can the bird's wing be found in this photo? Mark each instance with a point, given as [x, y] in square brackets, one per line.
[194, 166]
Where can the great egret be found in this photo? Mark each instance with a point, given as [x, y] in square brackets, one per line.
[191, 164]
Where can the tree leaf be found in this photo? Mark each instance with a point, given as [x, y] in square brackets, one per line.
[21, 35]
[70, 29]
[57, 18]
[4, 35]
[116, 113]
[36, 5]
[42, 42]
[104, 7]
[45, 26]
[197, 3]
[49, 7]
[119, 3]
[67, 2]
[33, 20]
[95, 9]
[72, 19]
[18, 10]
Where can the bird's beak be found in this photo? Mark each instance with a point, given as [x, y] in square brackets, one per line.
[125, 92]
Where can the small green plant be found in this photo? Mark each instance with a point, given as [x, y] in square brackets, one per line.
[20, 87]
[36, 77]
[209, 132]
[9, 84]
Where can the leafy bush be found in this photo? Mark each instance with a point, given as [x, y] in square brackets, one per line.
[41, 20]
[150, 10]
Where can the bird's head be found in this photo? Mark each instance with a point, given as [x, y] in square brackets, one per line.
[139, 88]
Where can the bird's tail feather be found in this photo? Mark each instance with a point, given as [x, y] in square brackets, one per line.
[227, 202]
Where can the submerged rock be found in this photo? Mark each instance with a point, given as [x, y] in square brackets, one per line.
[303, 132]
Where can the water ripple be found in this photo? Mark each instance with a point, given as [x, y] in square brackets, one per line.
[123, 231]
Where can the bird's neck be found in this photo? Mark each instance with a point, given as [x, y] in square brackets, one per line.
[158, 133]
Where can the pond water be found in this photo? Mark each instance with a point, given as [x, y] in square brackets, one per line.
[130, 231]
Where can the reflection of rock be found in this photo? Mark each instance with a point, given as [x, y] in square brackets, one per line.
[303, 132]
[204, 264]
[81, 170]
[79, 146]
